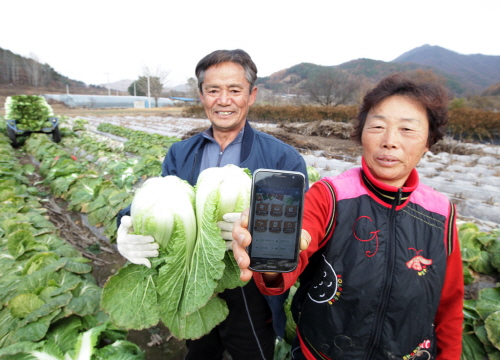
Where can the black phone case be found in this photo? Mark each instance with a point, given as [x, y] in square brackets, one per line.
[272, 213]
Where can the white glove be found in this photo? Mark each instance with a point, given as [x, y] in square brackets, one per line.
[135, 248]
[226, 227]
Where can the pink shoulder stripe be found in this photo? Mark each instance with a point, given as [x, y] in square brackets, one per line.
[350, 183]
[430, 200]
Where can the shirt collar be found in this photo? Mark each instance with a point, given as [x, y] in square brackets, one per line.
[209, 134]
[388, 193]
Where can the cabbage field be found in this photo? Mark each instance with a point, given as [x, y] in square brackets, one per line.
[58, 204]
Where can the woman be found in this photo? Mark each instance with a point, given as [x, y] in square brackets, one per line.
[384, 279]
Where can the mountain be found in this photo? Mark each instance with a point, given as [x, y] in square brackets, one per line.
[476, 72]
[123, 85]
[374, 70]
[293, 79]
[493, 90]
[120, 85]
[181, 88]
[464, 74]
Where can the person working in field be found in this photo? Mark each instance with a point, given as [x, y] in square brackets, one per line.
[226, 81]
[380, 271]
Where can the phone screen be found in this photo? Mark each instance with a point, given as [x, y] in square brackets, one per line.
[275, 220]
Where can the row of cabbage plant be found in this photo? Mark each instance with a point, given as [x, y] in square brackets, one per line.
[49, 301]
[481, 258]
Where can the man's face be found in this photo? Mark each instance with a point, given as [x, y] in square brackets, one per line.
[227, 97]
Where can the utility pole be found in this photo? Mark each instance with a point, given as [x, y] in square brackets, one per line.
[109, 89]
[135, 92]
[149, 94]
[67, 89]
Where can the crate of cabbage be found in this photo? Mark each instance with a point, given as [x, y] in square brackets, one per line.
[180, 289]
[26, 114]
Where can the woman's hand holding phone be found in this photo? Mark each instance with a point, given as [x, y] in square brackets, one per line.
[242, 239]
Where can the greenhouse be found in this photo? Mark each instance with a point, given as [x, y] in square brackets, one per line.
[105, 101]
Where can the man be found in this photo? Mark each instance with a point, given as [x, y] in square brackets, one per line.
[226, 81]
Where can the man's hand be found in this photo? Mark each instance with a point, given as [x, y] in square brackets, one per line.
[241, 239]
[226, 227]
[135, 248]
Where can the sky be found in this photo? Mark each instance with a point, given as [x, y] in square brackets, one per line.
[107, 40]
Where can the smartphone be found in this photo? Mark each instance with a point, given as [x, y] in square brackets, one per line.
[275, 221]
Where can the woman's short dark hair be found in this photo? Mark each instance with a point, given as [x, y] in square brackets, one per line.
[237, 56]
[432, 96]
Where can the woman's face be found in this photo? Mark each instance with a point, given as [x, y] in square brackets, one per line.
[394, 139]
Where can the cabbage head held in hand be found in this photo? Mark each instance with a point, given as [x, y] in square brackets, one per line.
[181, 287]
[218, 191]
[156, 205]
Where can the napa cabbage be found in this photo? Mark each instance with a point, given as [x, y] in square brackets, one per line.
[218, 191]
[31, 112]
[157, 204]
[181, 287]
[312, 174]
[68, 341]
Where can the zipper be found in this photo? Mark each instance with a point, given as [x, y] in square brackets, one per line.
[221, 153]
[195, 160]
[382, 309]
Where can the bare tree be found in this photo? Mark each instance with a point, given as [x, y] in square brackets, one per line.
[33, 70]
[193, 87]
[46, 75]
[332, 87]
[11, 68]
[425, 76]
[158, 79]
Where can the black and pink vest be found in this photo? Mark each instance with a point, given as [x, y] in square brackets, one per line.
[374, 289]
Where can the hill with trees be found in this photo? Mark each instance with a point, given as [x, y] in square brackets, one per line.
[464, 75]
[476, 72]
[26, 75]
[493, 90]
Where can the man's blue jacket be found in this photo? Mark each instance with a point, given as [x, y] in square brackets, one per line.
[258, 150]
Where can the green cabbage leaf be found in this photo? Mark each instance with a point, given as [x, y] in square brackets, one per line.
[193, 267]
[312, 174]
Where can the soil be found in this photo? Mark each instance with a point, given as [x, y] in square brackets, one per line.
[331, 147]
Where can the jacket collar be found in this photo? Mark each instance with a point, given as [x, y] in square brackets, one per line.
[386, 193]
[246, 145]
